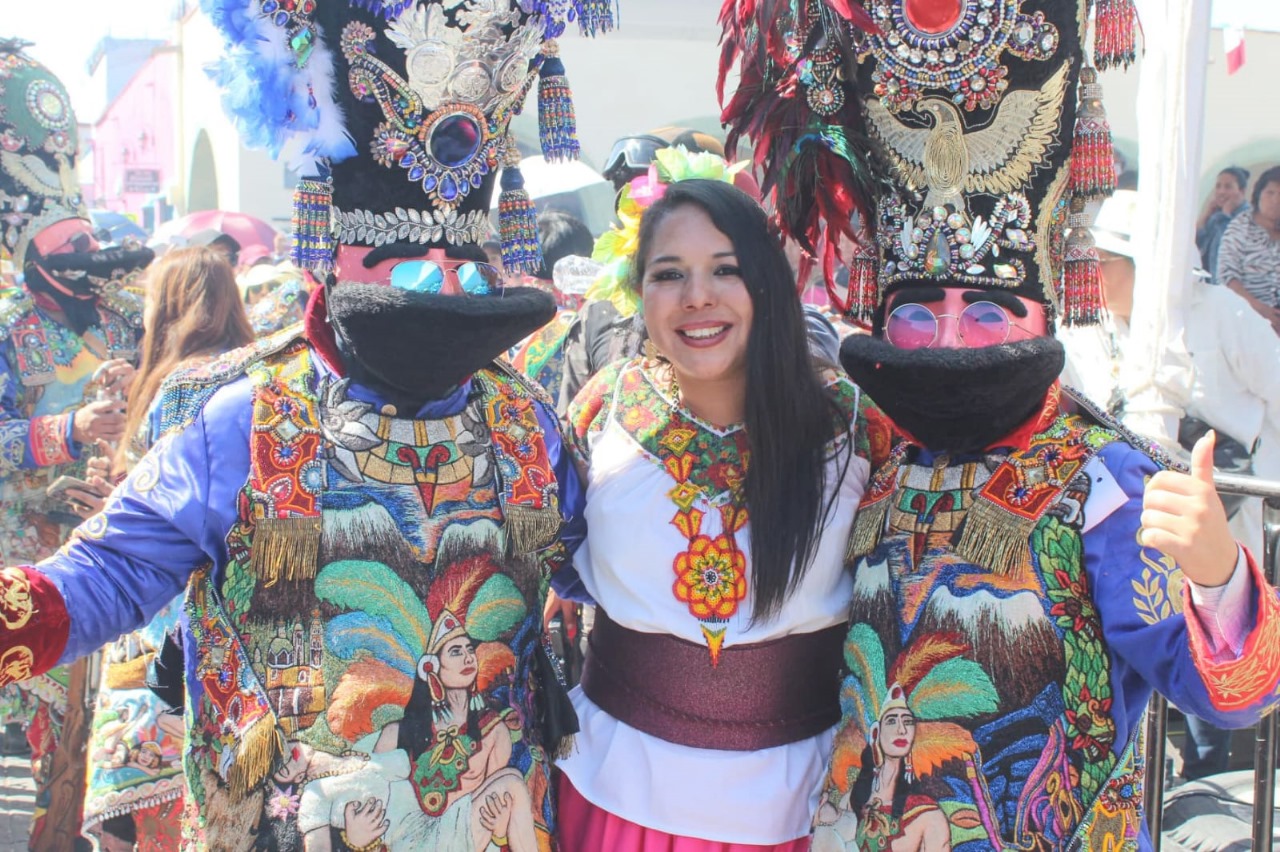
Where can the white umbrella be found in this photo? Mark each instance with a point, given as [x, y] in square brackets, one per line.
[542, 178]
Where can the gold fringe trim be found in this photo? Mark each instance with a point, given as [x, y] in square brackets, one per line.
[131, 674]
[868, 527]
[285, 548]
[994, 538]
[530, 530]
[260, 748]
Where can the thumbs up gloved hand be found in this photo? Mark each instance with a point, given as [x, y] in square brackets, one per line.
[1183, 518]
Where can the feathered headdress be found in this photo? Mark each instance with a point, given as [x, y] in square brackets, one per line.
[984, 116]
[403, 108]
[797, 105]
[931, 678]
[390, 638]
[38, 146]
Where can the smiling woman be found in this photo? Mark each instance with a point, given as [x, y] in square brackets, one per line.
[723, 469]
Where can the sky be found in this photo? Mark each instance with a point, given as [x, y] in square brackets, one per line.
[66, 49]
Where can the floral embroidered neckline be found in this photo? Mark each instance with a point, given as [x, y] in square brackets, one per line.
[706, 463]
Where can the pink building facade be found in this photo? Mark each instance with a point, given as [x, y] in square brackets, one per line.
[135, 157]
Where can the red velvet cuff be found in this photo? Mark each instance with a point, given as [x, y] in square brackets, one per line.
[48, 439]
[34, 624]
[1241, 683]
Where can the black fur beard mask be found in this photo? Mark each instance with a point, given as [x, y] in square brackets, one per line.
[82, 274]
[418, 347]
[955, 400]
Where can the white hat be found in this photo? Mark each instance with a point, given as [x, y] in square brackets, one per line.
[1113, 227]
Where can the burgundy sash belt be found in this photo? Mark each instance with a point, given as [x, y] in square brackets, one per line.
[759, 696]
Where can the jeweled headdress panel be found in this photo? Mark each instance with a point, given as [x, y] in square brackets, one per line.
[972, 103]
[407, 107]
[985, 120]
[38, 140]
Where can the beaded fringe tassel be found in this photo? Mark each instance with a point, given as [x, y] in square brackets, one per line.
[995, 538]
[312, 240]
[864, 292]
[1082, 276]
[1093, 167]
[258, 749]
[557, 125]
[517, 217]
[1116, 23]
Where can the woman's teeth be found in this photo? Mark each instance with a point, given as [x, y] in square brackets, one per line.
[704, 333]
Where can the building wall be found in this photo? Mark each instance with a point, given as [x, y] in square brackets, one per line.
[1241, 127]
[137, 132]
[246, 181]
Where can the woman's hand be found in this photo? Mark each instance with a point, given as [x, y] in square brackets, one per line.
[555, 605]
[1183, 518]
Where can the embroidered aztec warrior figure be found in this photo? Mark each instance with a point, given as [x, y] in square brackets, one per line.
[68, 339]
[1006, 542]
[364, 510]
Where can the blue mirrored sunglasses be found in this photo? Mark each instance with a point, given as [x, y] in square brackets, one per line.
[427, 276]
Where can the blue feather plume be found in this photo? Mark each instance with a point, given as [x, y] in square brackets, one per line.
[268, 96]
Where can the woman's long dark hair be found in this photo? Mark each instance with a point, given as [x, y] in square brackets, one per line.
[862, 788]
[417, 730]
[790, 417]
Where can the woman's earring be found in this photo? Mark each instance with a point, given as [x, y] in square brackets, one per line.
[650, 350]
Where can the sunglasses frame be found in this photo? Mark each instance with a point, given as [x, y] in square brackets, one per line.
[937, 323]
[494, 282]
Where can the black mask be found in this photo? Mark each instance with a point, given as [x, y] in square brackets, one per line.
[83, 275]
[955, 400]
[417, 347]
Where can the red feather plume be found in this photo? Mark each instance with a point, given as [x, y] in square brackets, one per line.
[819, 170]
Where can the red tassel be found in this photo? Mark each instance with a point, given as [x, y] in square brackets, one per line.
[1082, 274]
[864, 288]
[1116, 23]
[1093, 165]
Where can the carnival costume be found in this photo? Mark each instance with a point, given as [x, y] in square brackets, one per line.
[1007, 627]
[73, 311]
[363, 511]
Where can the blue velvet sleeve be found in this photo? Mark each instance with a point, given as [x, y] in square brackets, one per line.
[171, 515]
[1138, 593]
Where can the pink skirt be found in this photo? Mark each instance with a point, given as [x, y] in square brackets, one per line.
[587, 828]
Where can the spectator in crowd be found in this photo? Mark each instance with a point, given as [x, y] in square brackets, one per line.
[68, 337]
[561, 235]
[1234, 389]
[540, 356]
[1227, 201]
[631, 155]
[1249, 255]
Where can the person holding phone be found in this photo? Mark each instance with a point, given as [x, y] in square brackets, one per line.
[68, 340]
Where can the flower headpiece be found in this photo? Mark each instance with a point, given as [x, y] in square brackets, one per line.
[616, 248]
